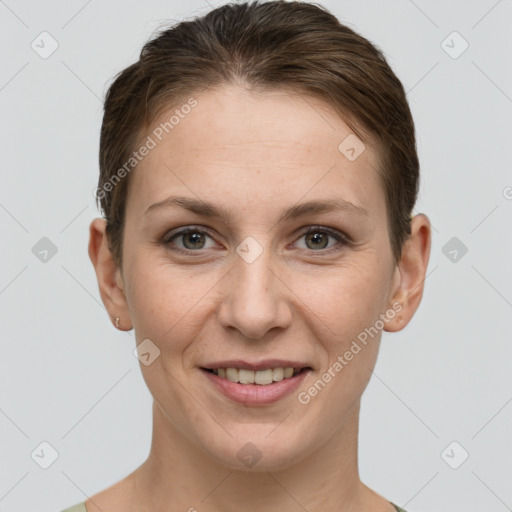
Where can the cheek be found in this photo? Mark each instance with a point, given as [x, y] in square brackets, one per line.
[156, 301]
[167, 303]
[350, 298]
[351, 344]
[351, 309]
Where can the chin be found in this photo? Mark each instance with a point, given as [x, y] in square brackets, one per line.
[259, 452]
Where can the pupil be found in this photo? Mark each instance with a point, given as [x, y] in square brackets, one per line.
[196, 237]
[316, 238]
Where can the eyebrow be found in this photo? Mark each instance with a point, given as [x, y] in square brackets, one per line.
[206, 209]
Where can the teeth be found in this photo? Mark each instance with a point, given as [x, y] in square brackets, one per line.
[246, 376]
[277, 374]
[261, 377]
[232, 374]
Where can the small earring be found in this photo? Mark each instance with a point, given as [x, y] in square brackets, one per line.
[117, 322]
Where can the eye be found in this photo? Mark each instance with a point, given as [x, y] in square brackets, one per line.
[192, 239]
[317, 238]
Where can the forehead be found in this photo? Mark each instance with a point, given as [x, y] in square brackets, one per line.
[280, 142]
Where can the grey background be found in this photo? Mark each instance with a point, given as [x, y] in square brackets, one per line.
[69, 378]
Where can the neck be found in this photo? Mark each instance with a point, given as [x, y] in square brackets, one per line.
[179, 475]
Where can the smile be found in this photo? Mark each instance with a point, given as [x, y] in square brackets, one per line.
[256, 387]
[260, 377]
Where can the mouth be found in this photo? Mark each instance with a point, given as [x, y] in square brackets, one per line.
[264, 384]
[263, 377]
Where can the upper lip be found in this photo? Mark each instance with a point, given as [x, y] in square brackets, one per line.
[255, 366]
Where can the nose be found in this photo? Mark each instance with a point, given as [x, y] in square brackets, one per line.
[255, 298]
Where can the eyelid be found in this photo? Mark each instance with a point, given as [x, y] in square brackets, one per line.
[335, 233]
[180, 231]
[168, 237]
[342, 239]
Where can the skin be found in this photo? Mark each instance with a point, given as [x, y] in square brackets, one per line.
[256, 154]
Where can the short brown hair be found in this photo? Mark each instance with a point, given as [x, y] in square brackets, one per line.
[271, 45]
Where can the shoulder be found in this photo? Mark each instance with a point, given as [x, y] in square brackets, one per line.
[79, 507]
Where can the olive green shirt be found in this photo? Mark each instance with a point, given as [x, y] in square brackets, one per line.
[80, 507]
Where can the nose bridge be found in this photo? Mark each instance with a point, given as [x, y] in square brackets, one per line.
[254, 300]
[254, 278]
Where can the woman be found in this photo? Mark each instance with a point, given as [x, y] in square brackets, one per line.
[258, 171]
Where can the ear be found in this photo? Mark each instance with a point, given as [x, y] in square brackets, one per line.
[110, 278]
[410, 273]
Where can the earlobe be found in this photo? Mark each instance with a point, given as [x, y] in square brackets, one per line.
[110, 283]
[410, 273]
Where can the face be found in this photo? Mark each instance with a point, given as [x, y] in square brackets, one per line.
[266, 280]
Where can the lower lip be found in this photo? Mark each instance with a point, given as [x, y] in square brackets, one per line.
[255, 394]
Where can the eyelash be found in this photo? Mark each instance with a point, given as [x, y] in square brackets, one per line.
[342, 239]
